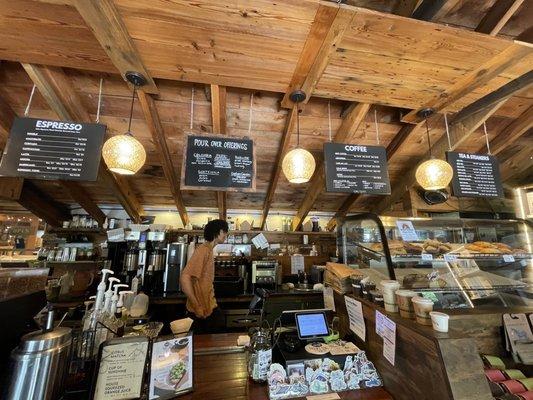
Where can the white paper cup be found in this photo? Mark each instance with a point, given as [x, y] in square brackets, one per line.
[389, 289]
[439, 321]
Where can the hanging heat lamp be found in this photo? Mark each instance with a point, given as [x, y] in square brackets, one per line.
[432, 174]
[298, 165]
[123, 154]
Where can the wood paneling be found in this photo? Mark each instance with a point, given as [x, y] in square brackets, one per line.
[107, 26]
[218, 118]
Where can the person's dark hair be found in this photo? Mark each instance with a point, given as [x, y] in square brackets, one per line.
[213, 228]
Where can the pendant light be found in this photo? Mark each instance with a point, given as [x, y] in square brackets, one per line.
[298, 165]
[123, 154]
[433, 174]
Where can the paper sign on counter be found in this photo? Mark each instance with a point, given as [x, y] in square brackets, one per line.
[329, 300]
[355, 315]
[260, 241]
[407, 231]
[297, 264]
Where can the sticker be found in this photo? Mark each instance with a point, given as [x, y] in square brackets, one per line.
[427, 257]
[508, 258]
[450, 257]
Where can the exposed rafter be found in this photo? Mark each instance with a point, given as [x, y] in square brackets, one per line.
[405, 8]
[80, 196]
[498, 15]
[153, 121]
[218, 116]
[396, 143]
[55, 87]
[43, 206]
[106, 23]
[7, 116]
[283, 148]
[428, 9]
[508, 58]
[460, 131]
[512, 132]
[345, 134]
[329, 25]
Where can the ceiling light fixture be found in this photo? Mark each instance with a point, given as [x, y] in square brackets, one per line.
[123, 154]
[298, 164]
[432, 174]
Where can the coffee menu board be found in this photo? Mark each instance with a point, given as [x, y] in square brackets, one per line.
[475, 175]
[46, 149]
[121, 368]
[356, 169]
[221, 163]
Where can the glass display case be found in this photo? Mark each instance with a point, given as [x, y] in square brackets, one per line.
[458, 263]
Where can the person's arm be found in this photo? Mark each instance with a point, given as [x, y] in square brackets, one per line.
[192, 271]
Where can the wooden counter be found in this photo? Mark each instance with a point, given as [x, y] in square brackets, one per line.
[220, 373]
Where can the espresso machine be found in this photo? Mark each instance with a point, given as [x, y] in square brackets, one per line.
[176, 261]
[265, 274]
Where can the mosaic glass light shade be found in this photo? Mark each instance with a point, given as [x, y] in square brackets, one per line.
[123, 154]
[434, 174]
[298, 165]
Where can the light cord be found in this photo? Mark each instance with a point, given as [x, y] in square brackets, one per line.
[297, 124]
[447, 131]
[429, 140]
[329, 120]
[27, 110]
[250, 115]
[192, 107]
[131, 109]
[376, 123]
[486, 138]
[99, 101]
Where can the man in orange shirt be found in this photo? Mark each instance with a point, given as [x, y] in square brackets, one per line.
[197, 280]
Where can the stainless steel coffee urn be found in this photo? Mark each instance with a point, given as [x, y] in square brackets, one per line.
[40, 363]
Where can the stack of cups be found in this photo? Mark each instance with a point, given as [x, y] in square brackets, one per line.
[405, 304]
[422, 308]
[389, 289]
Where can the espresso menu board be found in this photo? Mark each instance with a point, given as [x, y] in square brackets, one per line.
[475, 175]
[46, 149]
[356, 169]
[221, 163]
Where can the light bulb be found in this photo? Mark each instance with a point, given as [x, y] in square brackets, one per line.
[123, 154]
[298, 165]
[434, 174]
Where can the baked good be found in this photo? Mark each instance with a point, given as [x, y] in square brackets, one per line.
[482, 244]
[413, 248]
[473, 248]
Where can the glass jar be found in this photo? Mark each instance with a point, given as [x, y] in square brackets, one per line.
[259, 355]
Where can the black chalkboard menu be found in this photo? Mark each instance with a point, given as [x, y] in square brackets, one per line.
[356, 169]
[46, 149]
[475, 175]
[217, 162]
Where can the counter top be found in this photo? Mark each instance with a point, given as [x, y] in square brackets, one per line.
[222, 374]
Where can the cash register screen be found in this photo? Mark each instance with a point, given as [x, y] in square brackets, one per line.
[311, 325]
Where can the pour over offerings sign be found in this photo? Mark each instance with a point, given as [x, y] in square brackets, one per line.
[220, 163]
[47, 149]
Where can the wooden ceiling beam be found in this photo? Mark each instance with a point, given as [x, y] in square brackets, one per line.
[158, 135]
[428, 9]
[276, 172]
[105, 21]
[218, 116]
[405, 8]
[405, 132]
[459, 133]
[475, 79]
[345, 134]
[327, 30]
[42, 205]
[498, 15]
[82, 197]
[512, 132]
[519, 163]
[56, 88]
[7, 116]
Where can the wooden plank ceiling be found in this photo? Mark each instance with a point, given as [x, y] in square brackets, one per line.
[228, 50]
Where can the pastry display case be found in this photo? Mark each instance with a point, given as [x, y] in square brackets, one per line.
[457, 263]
